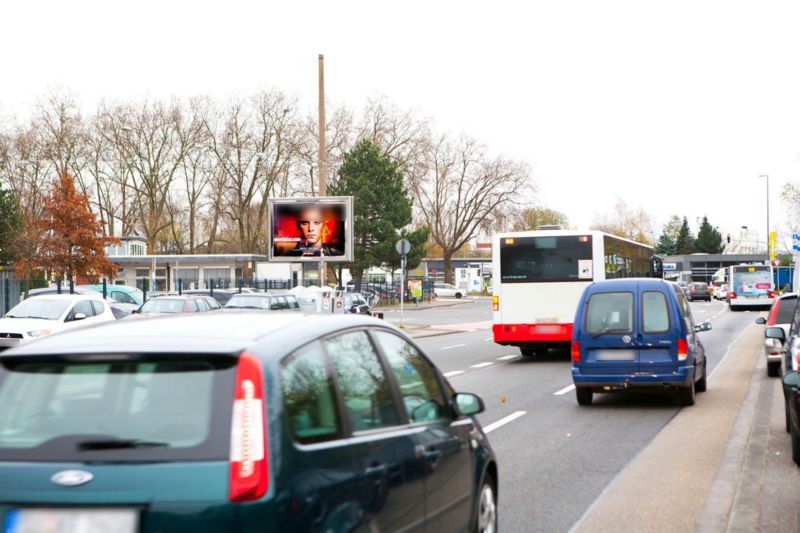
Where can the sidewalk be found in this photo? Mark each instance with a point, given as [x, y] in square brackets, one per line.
[417, 331]
[721, 465]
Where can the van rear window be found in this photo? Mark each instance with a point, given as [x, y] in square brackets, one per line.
[655, 313]
[118, 410]
[609, 312]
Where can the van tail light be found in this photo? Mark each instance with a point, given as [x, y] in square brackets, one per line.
[731, 295]
[248, 456]
[772, 294]
[683, 349]
[576, 352]
[495, 303]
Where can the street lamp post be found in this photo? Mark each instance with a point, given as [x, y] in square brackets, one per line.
[767, 176]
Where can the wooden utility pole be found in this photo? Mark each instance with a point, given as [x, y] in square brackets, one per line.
[323, 161]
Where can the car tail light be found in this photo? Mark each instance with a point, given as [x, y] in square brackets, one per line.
[772, 317]
[771, 294]
[576, 352]
[683, 349]
[731, 295]
[495, 303]
[248, 456]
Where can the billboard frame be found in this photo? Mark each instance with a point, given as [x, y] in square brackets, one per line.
[323, 201]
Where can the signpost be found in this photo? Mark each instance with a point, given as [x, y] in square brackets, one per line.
[403, 247]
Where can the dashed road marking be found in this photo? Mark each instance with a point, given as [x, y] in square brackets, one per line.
[488, 339]
[503, 421]
[565, 390]
[507, 357]
[453, 373]
[452, 346]
[482, 365]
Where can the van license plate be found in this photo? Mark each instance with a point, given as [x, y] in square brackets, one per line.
[84, 520]
[615, 355]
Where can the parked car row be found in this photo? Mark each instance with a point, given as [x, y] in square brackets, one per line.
[782, 350]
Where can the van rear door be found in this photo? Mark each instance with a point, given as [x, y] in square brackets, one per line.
[609, 334]
[657, 333]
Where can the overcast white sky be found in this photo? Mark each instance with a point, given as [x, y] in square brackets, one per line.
[676, 107]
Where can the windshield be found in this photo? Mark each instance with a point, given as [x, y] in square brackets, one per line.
[537, 259]
[39, 307]
[136, 409]
[162, 305]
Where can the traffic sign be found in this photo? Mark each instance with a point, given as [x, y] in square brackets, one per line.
[796, 242]
[402, 246]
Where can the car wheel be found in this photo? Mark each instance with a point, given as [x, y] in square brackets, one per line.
[774, 369]
[584, 395]
[459, 295]
[795, 445]
[486, 509]
[700, 386]
[686, 395]
[786, 410]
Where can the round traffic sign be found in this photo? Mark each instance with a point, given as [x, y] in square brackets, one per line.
[402, 246]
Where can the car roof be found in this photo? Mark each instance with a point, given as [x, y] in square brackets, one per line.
[633, 283]
[92, 295]
[214, 332]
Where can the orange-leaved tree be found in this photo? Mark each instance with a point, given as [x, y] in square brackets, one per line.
[72, 240]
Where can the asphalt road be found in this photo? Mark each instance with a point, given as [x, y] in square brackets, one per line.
[556, 458]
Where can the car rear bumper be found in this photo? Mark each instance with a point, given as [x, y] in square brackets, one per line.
[680, 378]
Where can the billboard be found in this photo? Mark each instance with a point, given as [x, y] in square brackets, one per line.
[311, 229]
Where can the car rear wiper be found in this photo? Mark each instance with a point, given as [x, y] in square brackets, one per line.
[114, 444]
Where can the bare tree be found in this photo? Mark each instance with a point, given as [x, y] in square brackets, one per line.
[634, 224]
[461, 190]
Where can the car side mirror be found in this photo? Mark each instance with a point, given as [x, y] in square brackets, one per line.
[775, 332]
[791, 379]
[761, 320]
[705, 326]
[468, 404]
[79, 316]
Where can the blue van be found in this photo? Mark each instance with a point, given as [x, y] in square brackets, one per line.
[636, 333]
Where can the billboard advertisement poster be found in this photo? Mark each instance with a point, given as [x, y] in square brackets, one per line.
[311, 229]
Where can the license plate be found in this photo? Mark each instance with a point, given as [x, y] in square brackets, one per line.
[615, 355]
[77, 520]
[547, 329]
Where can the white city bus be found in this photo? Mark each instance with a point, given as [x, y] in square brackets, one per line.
[750, 286]
[538, 277]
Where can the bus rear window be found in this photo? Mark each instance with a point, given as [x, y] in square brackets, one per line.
[532, 259]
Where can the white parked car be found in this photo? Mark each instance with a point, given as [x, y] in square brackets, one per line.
[447, 290]
[44, 315]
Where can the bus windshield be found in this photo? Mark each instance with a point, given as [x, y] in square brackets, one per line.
[546, 259]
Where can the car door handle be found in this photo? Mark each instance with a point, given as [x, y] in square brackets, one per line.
[376, 469]
[432, 455]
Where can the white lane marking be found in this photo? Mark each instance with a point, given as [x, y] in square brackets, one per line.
[488, 339]
[481, 365]
[452, 346]
[453, 373]
[725, 356]
[503, 421]
[507, 357]
[565, 390]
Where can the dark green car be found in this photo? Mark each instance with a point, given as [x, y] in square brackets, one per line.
[239, 422]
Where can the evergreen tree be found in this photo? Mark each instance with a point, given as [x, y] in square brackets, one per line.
[10, 225]
[668, 241]
[684, 244]
[381, 209]
[709, 240]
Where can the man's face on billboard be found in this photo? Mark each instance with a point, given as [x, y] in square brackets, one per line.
[310, 224]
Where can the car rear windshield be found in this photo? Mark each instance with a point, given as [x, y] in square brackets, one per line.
[116, 409]
[542, 259]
